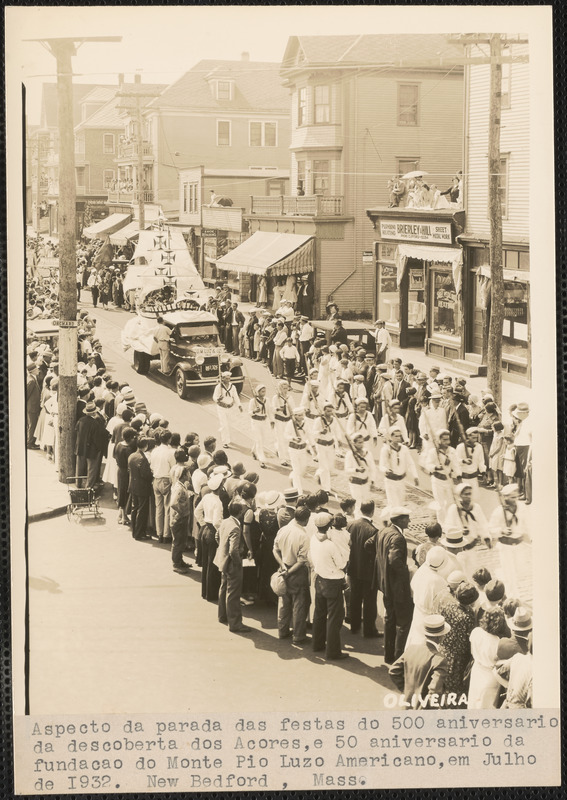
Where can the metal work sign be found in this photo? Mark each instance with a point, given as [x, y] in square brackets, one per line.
[412, 231]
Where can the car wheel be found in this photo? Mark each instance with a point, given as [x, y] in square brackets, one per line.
[181, 383]
[141, 362]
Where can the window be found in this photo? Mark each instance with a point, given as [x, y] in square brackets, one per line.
[80, 176]
[276, 188]
[190, 198]
[108, 143]
[263, 134]
[321, 177]
[322, 104]
[224, 90]
[108, 178]
[506, 76]
[79, 145]
[302, 106]
[301, 186]
[408, 101]
[503, 186]
[516, 320]
[223, 133]
[407, 165]
[444, 305]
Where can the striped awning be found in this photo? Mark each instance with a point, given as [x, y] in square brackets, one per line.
[106, 226]
[273, 253]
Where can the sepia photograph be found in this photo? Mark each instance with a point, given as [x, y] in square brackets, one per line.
[284, 471]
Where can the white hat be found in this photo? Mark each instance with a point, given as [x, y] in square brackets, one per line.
[399, 511]
[510, 488]
[436, 558]
[455, 578]
[215, 481]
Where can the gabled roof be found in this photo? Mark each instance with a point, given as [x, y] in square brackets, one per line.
[49, 101]
[109, 115]
[257, 87]
[102, 94]
[378, 49]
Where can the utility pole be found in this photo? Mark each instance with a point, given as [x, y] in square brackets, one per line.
[494, 360]
[63, 50]
[140, 168]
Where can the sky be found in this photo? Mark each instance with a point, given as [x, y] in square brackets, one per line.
[164, 42]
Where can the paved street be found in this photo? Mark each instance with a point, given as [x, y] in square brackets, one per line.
[140, 636]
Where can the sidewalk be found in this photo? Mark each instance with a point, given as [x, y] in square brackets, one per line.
[46, 496]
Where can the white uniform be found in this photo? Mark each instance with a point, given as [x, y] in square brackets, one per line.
[509, 534]
[396, 466]
[299, 447]
[441, 485]
[225, 398]
[366, 425]
[325, 434]
[476, 526]
[386, 423]
[312, 405]
[260, 423]
[281, 409]
[473, 470]
[361, 471]
[343, 409]
[431, 419]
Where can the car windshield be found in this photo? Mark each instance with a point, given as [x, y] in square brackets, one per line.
[198, 334]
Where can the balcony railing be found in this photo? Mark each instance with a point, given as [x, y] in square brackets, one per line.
[122, 196]
[130, 150]
[314, 205]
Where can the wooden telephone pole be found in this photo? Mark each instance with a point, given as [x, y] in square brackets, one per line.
[63, 50]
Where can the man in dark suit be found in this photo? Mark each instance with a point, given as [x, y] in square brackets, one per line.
[392, 577]
[229, 562]
[400, 386]
[91, 444]
[33, 404]
[457, 412]
[140, 488]
[361, 565]
[420, 671]
[369, 372]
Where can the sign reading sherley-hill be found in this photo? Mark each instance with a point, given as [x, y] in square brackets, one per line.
[412, 231]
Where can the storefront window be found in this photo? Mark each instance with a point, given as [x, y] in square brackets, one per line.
[515, 328]
[416, 294]
[445, 305]
[388, 295]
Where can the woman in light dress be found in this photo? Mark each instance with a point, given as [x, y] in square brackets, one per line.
[484, 687]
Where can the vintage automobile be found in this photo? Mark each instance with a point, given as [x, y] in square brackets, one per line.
[196, 354]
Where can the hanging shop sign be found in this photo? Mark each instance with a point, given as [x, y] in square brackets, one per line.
[412, 231]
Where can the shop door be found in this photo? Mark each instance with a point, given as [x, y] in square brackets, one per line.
[412, 305]
[477, 317]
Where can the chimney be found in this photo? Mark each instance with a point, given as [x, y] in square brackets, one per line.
[245, 56]
[137, 78]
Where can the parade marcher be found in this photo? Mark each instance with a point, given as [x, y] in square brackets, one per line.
[362, 421]
[291, 551]
[260, 422]
[508, 527]
[311, 402]
[299, 447]
[396, 464]
[432, 420]
[363, 608]
[471, 459]
[393, 418]
[420, 672]
[442, 463]
[467, 516]
[228, 560]
[360, 470]
[280, 413]
[329, 563]
[392, 577]
[343, 408]
[325, 432]
[226, 397]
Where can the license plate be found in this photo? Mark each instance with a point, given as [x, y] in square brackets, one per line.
[211, 368]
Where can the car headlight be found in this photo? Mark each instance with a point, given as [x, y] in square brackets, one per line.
[225, 360]
[199, 360]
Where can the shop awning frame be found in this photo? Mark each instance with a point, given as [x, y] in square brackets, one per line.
[435, 255]
[274, 253]
[123, 235]
[107, 226]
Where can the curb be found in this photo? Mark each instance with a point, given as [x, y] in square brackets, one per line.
[43, 515]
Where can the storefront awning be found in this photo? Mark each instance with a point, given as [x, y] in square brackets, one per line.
[276, 253]
[520, 275]
[435, 255]
[123, 235]
[106, 226]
